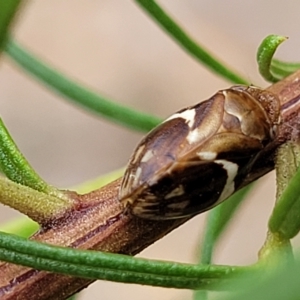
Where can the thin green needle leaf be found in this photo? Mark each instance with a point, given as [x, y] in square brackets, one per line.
[187, 43]
[217, 221]
[116, 267]
[278, 72]
[216, 224]
[108, 274]
[285, 218]
[7, 13]
[23, 226]
[292, 67]
[14, 165]
[282, 69]
[265, 55]
[79, 94]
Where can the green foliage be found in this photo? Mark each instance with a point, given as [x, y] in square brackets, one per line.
[116, 267]
[187, 43]
[14, 165]
[7, 14]
[272, 69]
[285, 218]
[250, 281]
[79, 94]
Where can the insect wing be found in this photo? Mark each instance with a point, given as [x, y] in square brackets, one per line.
[200, 155]
[165, 144]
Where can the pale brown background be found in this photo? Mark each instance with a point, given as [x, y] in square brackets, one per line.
[113, 47]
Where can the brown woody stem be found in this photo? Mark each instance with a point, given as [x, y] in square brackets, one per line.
[100, 224]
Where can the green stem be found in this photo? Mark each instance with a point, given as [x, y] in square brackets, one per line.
[37, 206]
[285, 216]
[216, 224]
[276, 252]
[187, 43]
[79, 94]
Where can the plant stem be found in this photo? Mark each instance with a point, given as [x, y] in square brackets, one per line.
[101, 225]
[285, 216]
[39, 207]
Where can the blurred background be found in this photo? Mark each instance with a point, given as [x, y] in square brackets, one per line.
[113, 47]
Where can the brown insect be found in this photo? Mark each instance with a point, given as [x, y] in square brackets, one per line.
[200, 155]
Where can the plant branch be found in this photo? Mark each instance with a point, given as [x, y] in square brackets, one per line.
[38, 206]
[100, 224]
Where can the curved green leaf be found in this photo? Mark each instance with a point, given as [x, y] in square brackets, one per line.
[265, 55]
[187, 43]
[78, 94]
[116, 267]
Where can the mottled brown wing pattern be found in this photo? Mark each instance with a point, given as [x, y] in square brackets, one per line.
[200, 155]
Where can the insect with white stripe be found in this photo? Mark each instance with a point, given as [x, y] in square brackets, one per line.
[200, 155]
